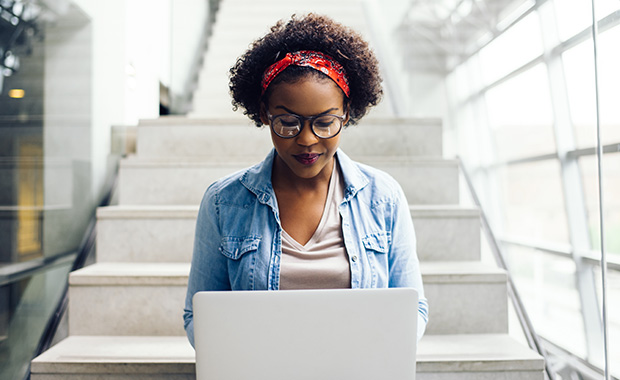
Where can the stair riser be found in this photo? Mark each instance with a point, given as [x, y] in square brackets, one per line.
[467, 308]
[203, 141]
[126, 310]
[185, 185]
[492, 375]
[497, 375]
[448, 239]
[368, 139]
[145, 240]
[113, 376]
[170, 239]
[425, 183]
[455, 308]
[444, 357]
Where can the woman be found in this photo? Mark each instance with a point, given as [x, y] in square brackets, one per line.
[307, 216]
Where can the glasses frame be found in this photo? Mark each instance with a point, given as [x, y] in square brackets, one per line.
[302, 121]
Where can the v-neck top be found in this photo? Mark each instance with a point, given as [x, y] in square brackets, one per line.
[322, 263]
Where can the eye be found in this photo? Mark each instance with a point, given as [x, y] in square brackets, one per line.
[288, 121]
[324, 122]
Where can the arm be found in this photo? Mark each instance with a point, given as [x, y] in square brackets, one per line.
[403, 259]
[209, 267]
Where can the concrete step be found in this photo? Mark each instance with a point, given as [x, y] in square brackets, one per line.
[146, 233]
[128, 299]
[183, 182]
[181, 137]
[166, 233]
[148, 298]
[465, 297]
[426, 181]
[447, 233]
[439, 357]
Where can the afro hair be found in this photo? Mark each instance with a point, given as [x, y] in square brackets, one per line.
[310, 32]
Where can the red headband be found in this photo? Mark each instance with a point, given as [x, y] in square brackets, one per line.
[308, 58]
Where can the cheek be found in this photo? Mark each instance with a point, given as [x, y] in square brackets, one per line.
[333, 144]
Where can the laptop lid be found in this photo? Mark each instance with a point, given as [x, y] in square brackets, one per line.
[306, 334]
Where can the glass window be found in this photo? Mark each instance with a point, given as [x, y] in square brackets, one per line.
[521, 116]
[579, 71]
[532, 202]
[609, 84]
[546, 285]
[611, 199]
[613, 316]
[575, 16]
[515, 47]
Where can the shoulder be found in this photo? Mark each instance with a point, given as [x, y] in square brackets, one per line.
[228, 190]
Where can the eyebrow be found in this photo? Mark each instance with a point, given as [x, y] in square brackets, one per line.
[322, 113]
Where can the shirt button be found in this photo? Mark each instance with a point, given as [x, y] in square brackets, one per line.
[354, 258]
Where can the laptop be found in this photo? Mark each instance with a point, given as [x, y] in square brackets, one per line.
[341, 334]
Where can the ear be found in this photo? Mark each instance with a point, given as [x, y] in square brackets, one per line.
[347, 110]
[263, 114]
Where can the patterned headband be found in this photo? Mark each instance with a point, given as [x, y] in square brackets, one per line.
[308, 58]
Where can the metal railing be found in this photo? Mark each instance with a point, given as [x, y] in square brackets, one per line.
[532, 338]
[80, 257]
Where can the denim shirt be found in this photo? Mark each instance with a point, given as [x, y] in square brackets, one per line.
[238, 242]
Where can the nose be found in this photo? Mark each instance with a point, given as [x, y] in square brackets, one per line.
[306, 137]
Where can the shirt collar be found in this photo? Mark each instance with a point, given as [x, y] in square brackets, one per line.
[354, 179]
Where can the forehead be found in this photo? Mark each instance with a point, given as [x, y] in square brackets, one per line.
[307, 96]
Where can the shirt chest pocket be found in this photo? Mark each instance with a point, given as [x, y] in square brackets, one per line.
[235, 247]
[377, 242]
[376, 247]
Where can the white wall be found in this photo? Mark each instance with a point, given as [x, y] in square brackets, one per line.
[132, 52]
[107, 80]
[186, 36]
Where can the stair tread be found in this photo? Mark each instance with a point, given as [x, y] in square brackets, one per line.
[147, 211]
[129, 354]
[148, 273]
[460, 271]
[188, 211]
[198, 161]
[167, 121]
[131, 274]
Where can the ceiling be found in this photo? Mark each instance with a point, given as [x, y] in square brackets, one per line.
[437, 35]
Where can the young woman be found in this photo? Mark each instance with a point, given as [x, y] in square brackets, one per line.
[307, 216]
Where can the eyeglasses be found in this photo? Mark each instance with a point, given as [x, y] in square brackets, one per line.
[289, 125]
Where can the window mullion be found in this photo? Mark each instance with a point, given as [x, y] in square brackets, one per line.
[572, 185]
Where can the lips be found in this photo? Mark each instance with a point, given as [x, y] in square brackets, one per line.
[307, 158]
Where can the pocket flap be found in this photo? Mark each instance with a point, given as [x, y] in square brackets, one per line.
[378, 242]
[235, 247]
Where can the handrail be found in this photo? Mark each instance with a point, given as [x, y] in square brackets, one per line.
[15, 272]
[526, 324]
[563, 251]
[575, 362]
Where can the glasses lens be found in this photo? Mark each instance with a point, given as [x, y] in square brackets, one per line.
[327, 126]
[286, 125]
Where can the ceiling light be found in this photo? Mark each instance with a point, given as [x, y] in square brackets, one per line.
[17, 93]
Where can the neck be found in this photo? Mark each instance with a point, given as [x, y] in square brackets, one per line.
[283, 178]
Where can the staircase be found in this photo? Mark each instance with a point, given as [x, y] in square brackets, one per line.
[125, 311]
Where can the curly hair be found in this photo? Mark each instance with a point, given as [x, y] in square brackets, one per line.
[310, 32]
